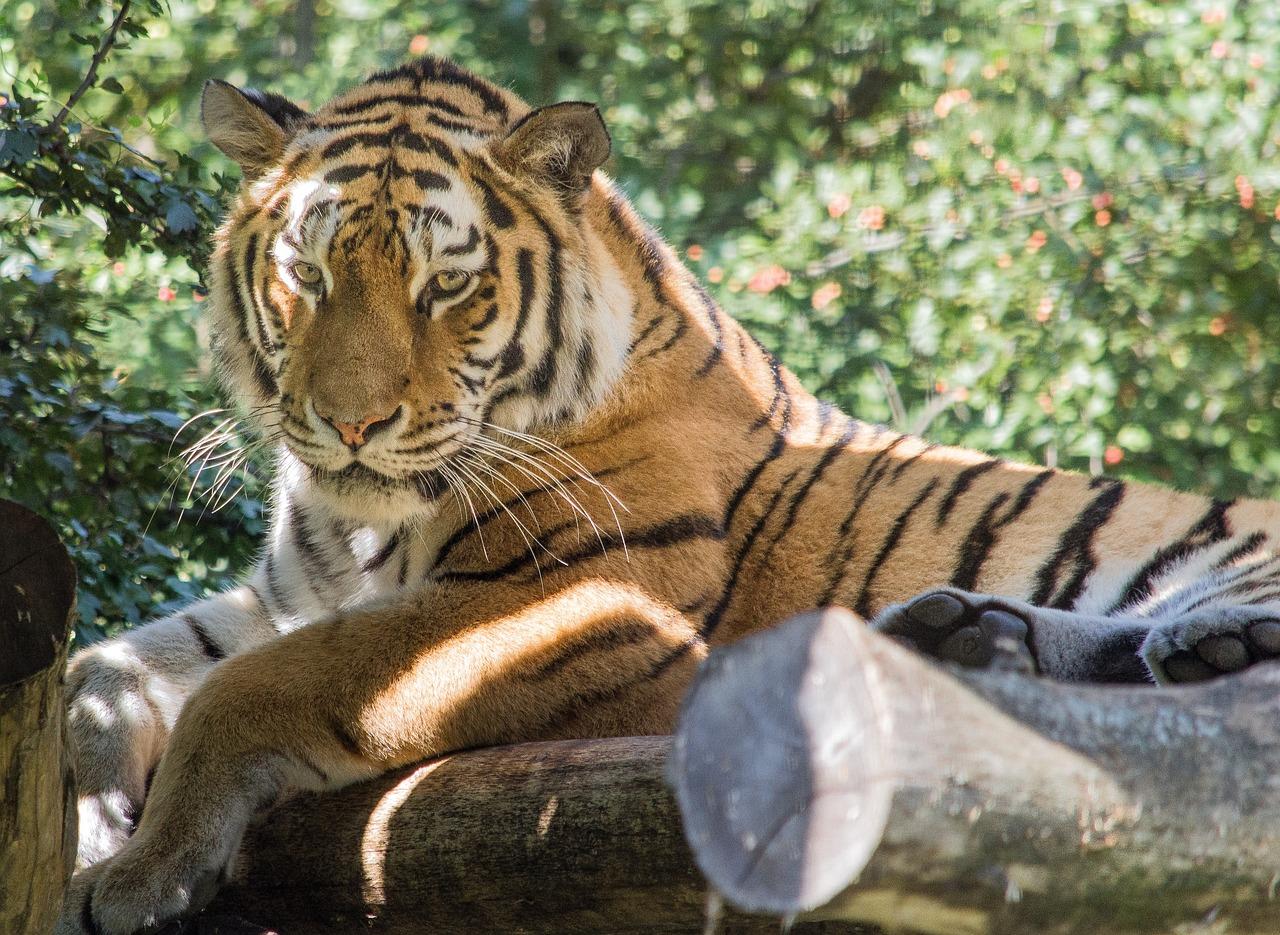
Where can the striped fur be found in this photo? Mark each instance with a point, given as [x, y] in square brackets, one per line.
[586, 475]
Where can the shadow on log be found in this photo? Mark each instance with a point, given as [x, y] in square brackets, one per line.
[37, 794]
[825, 772]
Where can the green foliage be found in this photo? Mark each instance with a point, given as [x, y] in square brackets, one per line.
[1044, 229]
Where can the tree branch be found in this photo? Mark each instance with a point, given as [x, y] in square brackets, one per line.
[91, 76]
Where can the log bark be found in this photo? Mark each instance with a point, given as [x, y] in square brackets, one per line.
[823, 771]
[37, 799]
[557, 837]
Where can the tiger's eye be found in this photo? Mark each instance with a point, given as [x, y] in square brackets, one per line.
[449, 281]
[307, 273]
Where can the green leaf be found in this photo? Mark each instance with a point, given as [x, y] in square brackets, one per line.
[179, 217]
[17, 146]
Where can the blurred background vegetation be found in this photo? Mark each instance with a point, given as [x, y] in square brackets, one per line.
[1044, 229]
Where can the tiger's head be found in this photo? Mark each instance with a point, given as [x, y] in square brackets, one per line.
[406, 272]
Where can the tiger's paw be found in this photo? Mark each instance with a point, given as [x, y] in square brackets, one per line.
[973, 630]
[137, 891]
[1208, 644]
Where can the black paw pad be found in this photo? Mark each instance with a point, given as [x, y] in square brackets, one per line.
[1265, 637]
[936, 610]
[1224, 653]
[947, 627]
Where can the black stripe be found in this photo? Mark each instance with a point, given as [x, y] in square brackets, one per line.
[1075, 544]
[716, 614]
[586, 361]
[383, 554]
[242, 309]
[340, 146]
[399, 136]
[406, 100]
[499, 213]
[687, 527]
[775, 447]
[207, 645]
[423, 178]
[513, 353]
[443, 71]
[977, 545]
[907, 462]
[473, 240]
[456, 126]
[628, 633]
[490, 316]
[502, 509]
[871, 476]
[647, 330]
[264, 377]
[469, 383]
[983, 534]
[545, 373]
[717, 329]
[346, 123]
[1026, 495]
[428, 214]
[1209, 530]
[863, 603]
[597, 697]
[349, 173]
[345, 738]
[963, 481]
[311, 765]
[833, 451]
[282, 606]
[681, 326]
[1251, 543]
[319, 574]
[422, 142]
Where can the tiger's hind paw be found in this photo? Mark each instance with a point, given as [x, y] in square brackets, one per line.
[1209, 644]
[972, 630]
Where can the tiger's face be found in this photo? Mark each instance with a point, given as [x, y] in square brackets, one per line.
[407, 275]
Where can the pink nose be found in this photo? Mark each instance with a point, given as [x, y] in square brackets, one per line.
[356, 434]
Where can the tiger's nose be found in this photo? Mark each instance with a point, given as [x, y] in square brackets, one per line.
[356, 434]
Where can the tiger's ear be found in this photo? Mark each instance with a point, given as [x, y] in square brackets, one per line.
[560, 145]
[252, 127]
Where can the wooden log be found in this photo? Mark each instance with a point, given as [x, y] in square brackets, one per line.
[823, 771]
[558, 837]
[37, 794]
[567, 836]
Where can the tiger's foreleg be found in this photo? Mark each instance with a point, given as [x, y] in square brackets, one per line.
[357, 695]
[124, 696]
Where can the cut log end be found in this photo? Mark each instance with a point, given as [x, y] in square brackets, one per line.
[782, 801]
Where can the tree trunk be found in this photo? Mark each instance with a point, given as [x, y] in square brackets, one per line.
[37, 800]
[563, 837]
[821, 769]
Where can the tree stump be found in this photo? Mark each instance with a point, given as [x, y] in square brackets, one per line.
[37, 800]
[823, 771]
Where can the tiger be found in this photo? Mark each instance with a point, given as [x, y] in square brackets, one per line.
[528, 474]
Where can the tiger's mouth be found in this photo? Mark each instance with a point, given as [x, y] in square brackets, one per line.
[358, 478]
